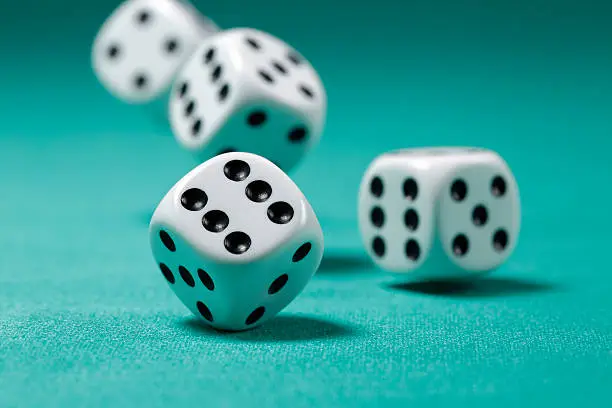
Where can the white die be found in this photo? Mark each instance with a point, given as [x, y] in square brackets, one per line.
[236, 240]
[439, 213]
[246, 90]
[140, 47]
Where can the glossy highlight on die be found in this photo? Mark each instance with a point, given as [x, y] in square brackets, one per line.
[254, 223]
[392, 204]
[250, 108]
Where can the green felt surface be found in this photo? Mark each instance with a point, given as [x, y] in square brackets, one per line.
[86, 320]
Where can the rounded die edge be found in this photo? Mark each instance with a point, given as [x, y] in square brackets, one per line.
[316, 237]
[97, 55]
[206, 26]
[304, 214]
[183, 127]
[316, 113]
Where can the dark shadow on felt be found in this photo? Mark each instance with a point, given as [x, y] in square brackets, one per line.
[282, 328]
[344, 263]
[478, 288]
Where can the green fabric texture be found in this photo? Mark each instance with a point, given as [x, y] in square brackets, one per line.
[86, 319]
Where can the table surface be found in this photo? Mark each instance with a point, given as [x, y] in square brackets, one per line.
[87, 321]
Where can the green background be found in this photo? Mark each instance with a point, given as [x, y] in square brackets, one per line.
[87, 321]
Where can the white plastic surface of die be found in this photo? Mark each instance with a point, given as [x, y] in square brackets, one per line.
[222, 83]
[432, 169]
[133, 42]
[243, 283]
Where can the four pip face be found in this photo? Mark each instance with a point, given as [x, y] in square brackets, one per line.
[235, 238]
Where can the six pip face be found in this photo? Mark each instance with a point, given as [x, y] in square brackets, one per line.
[246, 90]
[439, 213]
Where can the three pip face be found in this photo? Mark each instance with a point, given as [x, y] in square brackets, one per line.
[235, 238]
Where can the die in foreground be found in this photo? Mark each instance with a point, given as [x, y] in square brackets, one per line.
[439, 213]
[140, 47]
[246, 90]
[236, 240]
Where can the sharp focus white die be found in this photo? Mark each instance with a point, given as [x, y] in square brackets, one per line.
[140, 47]
[246, 90]
[236, 240]
[439, 213]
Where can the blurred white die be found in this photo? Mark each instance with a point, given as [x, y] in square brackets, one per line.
[142, 44]
[236, 240]
[439, 213]
[246, 90]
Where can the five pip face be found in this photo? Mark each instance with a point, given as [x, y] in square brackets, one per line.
[439, 213]
[235, 238]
